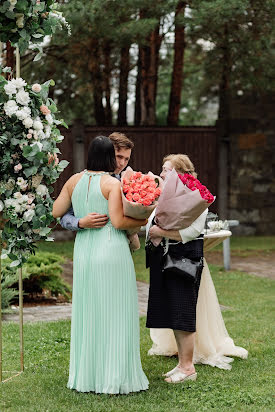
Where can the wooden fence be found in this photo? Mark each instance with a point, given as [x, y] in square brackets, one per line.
[151, 145]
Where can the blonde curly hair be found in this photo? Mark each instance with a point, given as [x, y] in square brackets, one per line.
[181, 163]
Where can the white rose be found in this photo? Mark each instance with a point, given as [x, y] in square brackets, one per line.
[28, 122]
[49, 118]
[40, 145]
[1, 206]
[19, 82]
[27, 110]
[23, 97]
[23, 199]
[10, 107]
[18, 208]
[47, 131]
[28, 215]
[42, 190]
[36, 88]
[9, 202]
[21, 114]
[10, 89]
[37, 125]
[41, 134]
[17, 195]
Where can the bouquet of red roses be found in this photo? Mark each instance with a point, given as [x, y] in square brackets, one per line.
[193, 183]
[182, 201]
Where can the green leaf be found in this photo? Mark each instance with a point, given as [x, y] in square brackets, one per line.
[30, 171]
[23, 44]
[39, 7]
[48, 83]
[40, 210]
[29, 152]
[22, 6]
[23, 33]
[37, 35]
[14, 141]
[10, 15]
[15, 263]
[38, 56]
[44, 231]
[62, 165]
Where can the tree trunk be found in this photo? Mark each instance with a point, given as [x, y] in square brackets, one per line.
[138, 85]
[107, 78]
[10, 60]
[177, 75]
[97, 82]
[149, 55]
[223, 129]
[123, 86]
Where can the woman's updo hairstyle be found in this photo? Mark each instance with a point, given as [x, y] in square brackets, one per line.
[181, 163]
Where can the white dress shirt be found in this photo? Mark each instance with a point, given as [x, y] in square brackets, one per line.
[187, 234]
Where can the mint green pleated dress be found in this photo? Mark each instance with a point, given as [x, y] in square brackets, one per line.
[105, 352]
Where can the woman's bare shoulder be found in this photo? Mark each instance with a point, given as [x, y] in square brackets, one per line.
[112, 181]
[73, 180]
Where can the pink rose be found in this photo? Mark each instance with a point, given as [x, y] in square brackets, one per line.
[137, 175]
[129, 196]
[56, 160]
[157, 192]
[136, 197]
[36, 88]
[17, 167]
[147, 202]
[45, 110]
[29, 136]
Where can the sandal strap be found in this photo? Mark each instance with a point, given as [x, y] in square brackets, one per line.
[180, 377]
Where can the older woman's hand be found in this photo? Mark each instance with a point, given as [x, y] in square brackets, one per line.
[155, 232]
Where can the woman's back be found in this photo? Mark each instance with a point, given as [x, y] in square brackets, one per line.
[87, 195]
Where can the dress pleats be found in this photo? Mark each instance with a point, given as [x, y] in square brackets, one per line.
[105, 352]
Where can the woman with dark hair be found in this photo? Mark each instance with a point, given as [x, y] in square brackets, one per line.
[104, 356]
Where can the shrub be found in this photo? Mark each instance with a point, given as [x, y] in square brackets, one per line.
[9, 278]
[44, 271]
[41, 274]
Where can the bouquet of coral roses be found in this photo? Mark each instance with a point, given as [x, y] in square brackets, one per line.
[140, 193]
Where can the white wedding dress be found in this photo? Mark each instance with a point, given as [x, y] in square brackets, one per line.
[213, 345]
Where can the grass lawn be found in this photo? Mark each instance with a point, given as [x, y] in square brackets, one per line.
[247, 387]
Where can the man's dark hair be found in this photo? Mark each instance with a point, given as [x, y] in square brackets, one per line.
[101, 155]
